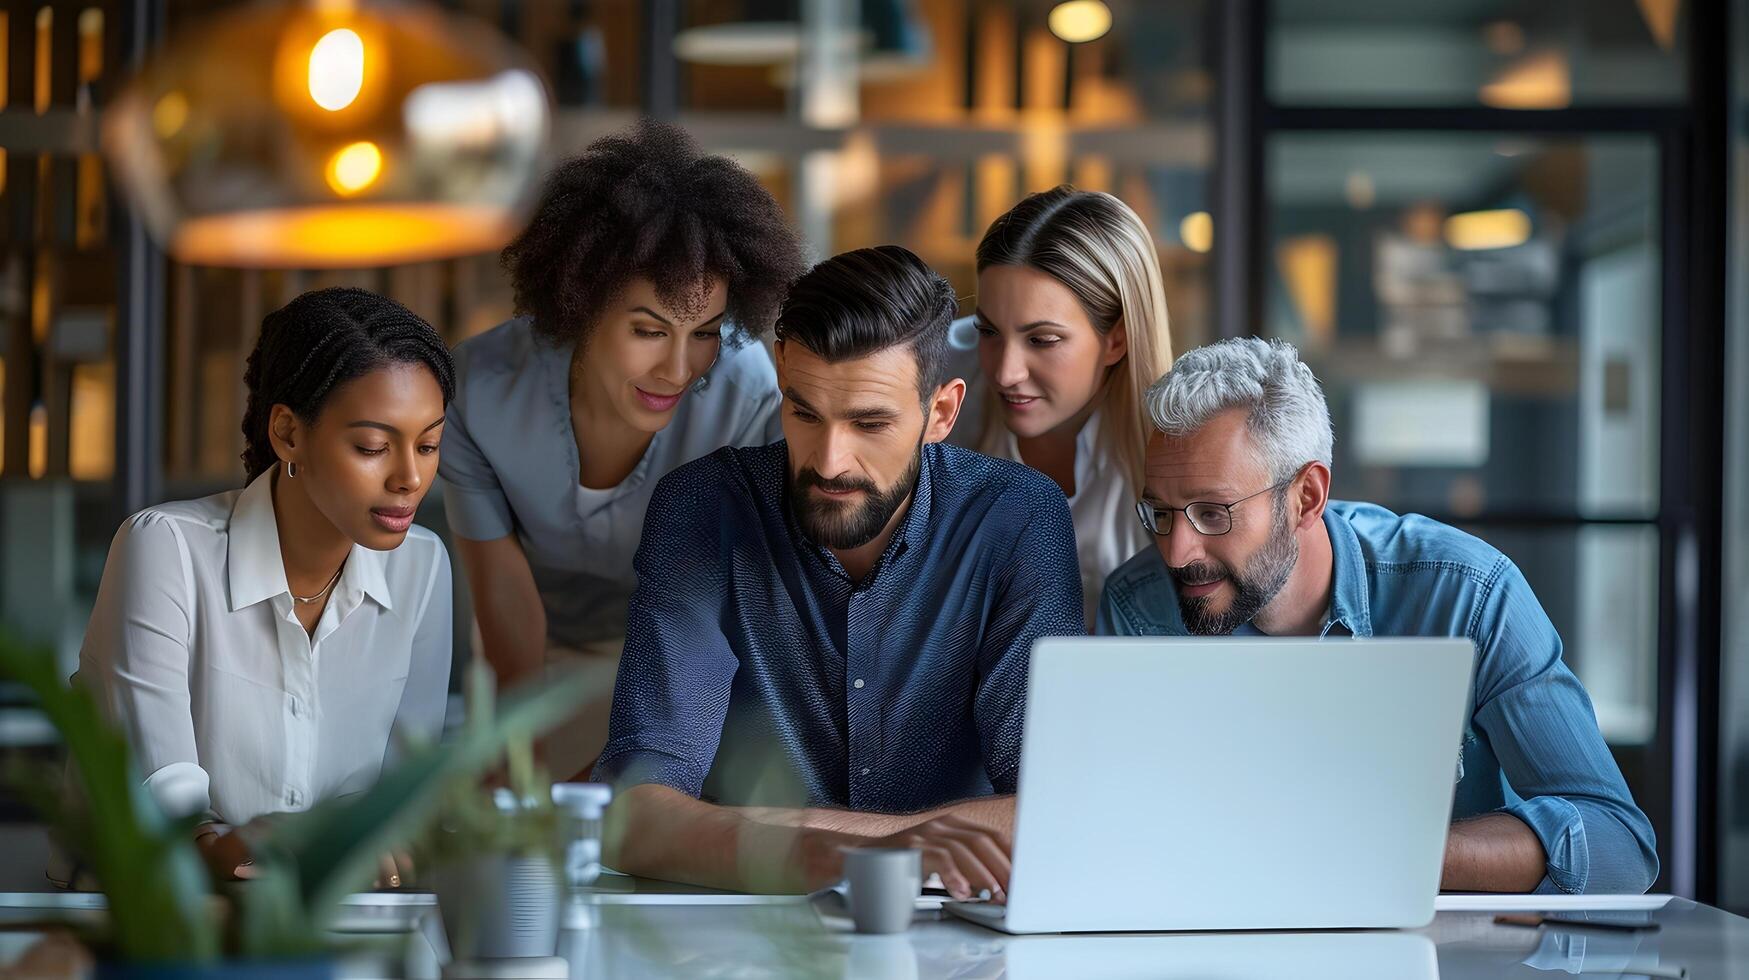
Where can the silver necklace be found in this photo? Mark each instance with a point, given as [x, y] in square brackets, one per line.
[325, 588]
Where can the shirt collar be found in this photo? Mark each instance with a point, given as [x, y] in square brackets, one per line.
[556, 365]
[915, 526]
[252, 551]
[365, 571]
[255, 568]
[1089, 434]
[555, 360]
[1349, 604]
[1087, 458]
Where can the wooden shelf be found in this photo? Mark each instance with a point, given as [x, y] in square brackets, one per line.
[1510, 364]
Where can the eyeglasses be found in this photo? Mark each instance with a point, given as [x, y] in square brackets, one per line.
[1205, 517]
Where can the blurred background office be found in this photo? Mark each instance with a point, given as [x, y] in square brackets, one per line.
[1507, 233]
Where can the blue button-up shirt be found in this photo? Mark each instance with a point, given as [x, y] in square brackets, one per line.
[757, 672]
[1531, 747]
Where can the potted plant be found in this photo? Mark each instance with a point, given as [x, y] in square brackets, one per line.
[493, 854]
[164, 916]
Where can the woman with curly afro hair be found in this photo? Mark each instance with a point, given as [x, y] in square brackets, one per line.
[642, 284]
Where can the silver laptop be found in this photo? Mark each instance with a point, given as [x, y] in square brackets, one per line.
[1209, 784]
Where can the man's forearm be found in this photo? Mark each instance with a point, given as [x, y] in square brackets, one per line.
[994, 813]
[657, 832]
[1496, 852]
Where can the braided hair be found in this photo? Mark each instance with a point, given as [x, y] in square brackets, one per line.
[648, 203]
[321, 340]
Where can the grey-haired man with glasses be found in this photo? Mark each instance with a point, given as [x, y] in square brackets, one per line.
[1247, 541]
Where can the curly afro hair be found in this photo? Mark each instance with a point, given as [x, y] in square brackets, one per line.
[648, 203]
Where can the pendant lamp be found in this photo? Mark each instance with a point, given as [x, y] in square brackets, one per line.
[330, 134]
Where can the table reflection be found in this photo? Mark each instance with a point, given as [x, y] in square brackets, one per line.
[1232, 956]
[796, 940]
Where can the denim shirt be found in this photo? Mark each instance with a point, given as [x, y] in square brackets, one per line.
[1531, 747]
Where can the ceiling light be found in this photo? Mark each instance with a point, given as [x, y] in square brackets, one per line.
[1477, 230]
[1539, 80]
[1080, 20]
[330, 134]
[1197, 231]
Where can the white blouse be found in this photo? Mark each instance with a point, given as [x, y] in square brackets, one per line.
[230, 707]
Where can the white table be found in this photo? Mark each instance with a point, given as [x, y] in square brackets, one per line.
[656, 933]
[742, 941]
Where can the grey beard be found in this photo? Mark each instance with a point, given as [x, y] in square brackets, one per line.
[1263, 578]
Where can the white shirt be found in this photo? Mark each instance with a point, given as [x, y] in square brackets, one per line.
[194, 649]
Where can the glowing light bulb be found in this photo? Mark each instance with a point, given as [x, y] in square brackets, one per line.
[354, 168]
[1080, 20]
[1475, 230]
[337, 69]
[169, 114]
[1197, 231]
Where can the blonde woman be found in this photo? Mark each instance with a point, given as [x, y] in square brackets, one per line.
[1071, 329]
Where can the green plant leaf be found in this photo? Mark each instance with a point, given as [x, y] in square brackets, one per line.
[161, 905]
[159, 901]
[270, 919]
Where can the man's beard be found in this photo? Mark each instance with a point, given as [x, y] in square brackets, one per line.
[844, 525]
[1264, 576]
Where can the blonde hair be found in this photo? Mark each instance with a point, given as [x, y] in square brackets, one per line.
[1098, 248]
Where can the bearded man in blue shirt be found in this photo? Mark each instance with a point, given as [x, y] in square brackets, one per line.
[829, 640]
[1248, 542]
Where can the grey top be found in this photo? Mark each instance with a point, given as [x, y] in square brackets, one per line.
[509, 465]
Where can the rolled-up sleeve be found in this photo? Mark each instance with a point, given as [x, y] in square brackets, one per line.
[136, 656]
[1037, 594]
[672, 692]
[1541, 726]
[473, 498]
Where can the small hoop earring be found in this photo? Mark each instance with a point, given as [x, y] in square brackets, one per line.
[291, 470]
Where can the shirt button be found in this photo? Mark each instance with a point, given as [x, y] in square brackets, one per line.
[295, 708]
[293, 797]
[858, 683]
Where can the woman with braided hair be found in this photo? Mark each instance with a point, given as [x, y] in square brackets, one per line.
[259, 646]
[642, 282]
